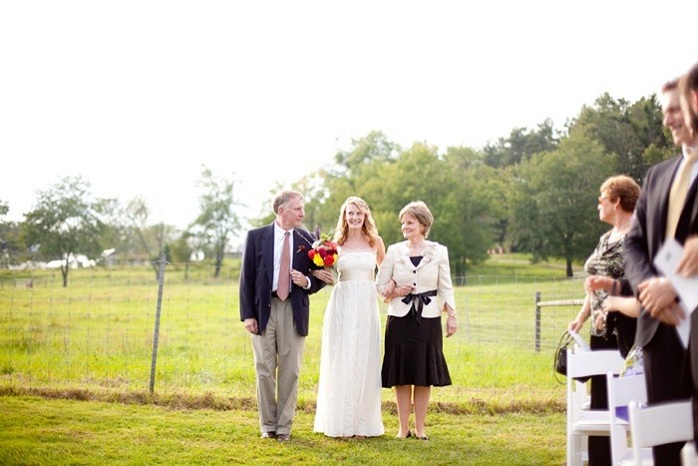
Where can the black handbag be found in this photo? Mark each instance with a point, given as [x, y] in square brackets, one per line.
[560, 361]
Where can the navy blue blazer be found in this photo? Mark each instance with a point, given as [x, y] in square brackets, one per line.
[257, 277]
[646, 235]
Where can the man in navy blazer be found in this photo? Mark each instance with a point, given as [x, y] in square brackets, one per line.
[663, 352]
[278, 325]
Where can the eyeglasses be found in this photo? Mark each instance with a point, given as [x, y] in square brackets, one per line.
[602, 198]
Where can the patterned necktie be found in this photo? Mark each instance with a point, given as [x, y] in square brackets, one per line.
[677, 194]
[283, 288]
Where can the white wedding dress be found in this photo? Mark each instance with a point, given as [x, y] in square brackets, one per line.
[349, 392]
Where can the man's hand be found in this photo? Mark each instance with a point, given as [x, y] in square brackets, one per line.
[251, 325]
[656, 294]
[670, 315]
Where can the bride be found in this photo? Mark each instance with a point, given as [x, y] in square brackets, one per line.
[349, 392]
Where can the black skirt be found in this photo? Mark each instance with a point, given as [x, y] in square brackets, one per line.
[414, 353]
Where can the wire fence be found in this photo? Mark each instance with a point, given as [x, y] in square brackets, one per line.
[101, 330]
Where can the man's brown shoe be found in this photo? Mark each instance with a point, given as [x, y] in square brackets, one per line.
[271, 434]
[283, 437]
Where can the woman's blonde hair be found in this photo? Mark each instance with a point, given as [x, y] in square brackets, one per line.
[368, 229]
[420, 211]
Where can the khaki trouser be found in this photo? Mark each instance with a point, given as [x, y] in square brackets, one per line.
[277, 354]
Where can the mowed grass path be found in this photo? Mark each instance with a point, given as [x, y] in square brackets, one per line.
[60, 432]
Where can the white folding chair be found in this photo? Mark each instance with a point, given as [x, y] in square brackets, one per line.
[689, 456]
[659, 424]
[581, 422]
[621, 391]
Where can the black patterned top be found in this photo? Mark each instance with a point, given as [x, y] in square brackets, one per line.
[607, 261]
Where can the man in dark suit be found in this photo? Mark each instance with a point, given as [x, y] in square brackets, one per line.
[274, 305]
[688, 265]
[663, 351]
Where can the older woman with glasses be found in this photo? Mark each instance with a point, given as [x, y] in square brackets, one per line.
[606, 276]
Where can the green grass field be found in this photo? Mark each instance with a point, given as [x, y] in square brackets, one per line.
[97, 334]
[41, 431]
[93, 341]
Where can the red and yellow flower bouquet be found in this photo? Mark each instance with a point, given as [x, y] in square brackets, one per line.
[323, 252]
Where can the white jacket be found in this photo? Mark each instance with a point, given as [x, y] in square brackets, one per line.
[432, 274]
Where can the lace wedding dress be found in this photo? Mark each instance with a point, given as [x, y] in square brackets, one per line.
[349, 392]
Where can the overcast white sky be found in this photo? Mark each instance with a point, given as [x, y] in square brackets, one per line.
[136, 95]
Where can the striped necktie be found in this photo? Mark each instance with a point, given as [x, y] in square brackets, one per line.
[283, 288]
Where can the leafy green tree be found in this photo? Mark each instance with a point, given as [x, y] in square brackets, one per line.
[632, 132]
[455, 187]
[9, 238]
[372, 148]
[458, 188]
[9, 243]
[320, 211]
[5, 228]
[64, 222]
[217, 220]
[116, 231]
[418, 174]
[181, 250]
[356, 172]
[653, 155]
[137, 237]
[520, 145]
[554, 200]
[479, 206]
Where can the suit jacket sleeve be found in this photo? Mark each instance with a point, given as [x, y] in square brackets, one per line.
[445, 291]
[638, 263]
[248, 273]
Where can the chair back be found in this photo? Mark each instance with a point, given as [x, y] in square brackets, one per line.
[581, 422]
[583, 364]
[621, 391]
[659, 424]
[588, 363]
[689, 456]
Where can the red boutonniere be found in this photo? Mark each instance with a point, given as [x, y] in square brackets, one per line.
[301, 248]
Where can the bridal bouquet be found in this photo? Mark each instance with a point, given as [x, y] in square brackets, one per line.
[323, 252]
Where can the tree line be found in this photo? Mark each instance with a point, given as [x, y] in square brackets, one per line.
[533, 191]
